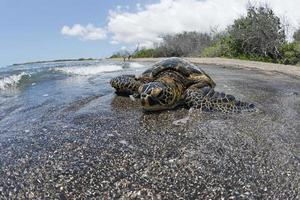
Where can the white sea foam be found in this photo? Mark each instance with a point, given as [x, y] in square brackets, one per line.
[90, 70]
[11, 81]
[136, 65]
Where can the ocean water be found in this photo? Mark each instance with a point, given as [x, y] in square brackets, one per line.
[28, 91]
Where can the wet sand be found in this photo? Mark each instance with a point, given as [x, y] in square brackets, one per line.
[105, 147]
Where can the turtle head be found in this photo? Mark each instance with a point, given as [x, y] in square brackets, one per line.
[156, 96]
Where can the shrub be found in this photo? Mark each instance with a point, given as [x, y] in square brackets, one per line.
[144, 53]
[184, 44]
[291, 53]
[259, 33]
[223, 47]
[296, 35]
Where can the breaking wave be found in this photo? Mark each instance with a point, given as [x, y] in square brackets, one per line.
[88, 70]
[92, 70]
[13, 80]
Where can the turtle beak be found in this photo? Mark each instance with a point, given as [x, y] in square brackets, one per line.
[144, 99]
[148, 100]
[149, 95]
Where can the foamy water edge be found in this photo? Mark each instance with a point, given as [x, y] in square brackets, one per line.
[12, 81]
[92, 70]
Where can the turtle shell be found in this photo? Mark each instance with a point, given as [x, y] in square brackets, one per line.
[193, 73]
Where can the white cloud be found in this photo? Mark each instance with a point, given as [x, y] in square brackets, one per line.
[172, 16]
[114, 42]
[146, 25]
[90, 32]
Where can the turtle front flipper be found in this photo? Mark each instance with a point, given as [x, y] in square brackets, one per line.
[125, 85]
[207, 99]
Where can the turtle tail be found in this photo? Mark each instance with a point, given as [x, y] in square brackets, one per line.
[125, 85]
[207, 99]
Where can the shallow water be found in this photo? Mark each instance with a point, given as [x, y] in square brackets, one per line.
[27, 91]
[65, 134]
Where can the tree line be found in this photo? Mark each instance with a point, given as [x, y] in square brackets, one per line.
[259, 35]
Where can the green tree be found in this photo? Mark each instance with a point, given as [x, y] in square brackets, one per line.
[291, 53]
[184, 44]
[145, 53]
[296, 35]
[259, 33]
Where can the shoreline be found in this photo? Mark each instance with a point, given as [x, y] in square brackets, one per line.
[55, 61]
[228, 62]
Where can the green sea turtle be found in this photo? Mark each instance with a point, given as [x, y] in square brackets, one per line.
[173, 82]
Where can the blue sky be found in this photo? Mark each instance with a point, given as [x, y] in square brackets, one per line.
[31, 29]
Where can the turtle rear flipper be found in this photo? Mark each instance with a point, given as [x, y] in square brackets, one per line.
[207, 99]
[125, 85]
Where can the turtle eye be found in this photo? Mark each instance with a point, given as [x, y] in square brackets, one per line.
[155, 92]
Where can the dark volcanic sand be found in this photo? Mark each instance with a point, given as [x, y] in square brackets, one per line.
[104, 146]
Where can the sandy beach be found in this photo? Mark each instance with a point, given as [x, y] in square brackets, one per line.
[70, 137]
[226, 62]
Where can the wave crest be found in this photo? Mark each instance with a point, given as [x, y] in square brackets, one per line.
[92, 70]
[22, 78]
[13, 80]
[85, 71]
